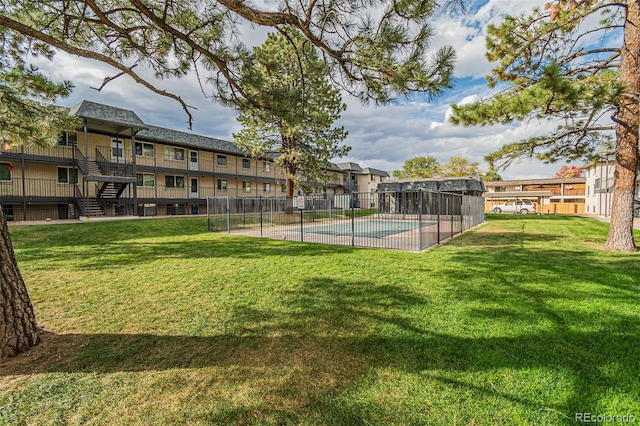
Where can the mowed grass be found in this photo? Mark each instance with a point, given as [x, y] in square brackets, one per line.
[521, 321]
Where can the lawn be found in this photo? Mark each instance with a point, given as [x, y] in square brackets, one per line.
[522, 321]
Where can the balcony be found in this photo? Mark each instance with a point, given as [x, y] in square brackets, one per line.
[35, 190]
[558, 192]
[46, 154]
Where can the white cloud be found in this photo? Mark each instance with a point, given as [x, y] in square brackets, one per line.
[382, 137]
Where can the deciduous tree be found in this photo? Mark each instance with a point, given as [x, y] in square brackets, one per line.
[459, 166]
[568, 172]
[292, 109]
[575, 63]
[418, 167]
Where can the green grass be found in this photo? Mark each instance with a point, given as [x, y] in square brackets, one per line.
[522, 321]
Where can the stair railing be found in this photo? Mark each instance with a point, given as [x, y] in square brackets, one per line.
[102, 161]
[80, 201]
[80, 161]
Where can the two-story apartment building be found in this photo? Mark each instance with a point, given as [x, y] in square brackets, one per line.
[115, 164]
[551, 196]
[361, 180]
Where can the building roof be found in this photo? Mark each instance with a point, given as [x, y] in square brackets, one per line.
[377, 172]
[106, 113]
[349, 167]
[518, 194]
[126, 119]
[449, 184]
[535, 181]
[190, 140]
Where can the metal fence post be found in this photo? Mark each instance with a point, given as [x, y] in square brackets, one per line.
[461, 214]
[228, 216]
[451, 219]
[439, 204]
[353, 221]
[301, 226]
[420, 220]
[260, 205]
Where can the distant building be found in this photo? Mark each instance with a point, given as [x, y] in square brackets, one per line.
[551, 196]
[599, 181]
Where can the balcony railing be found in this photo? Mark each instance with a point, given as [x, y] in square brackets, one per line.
[38, 151]
[568, 192]
[201, 192]
[36, 188]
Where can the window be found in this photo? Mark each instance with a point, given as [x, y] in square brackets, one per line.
[283, 187]
[8, 212]
[117, 150]
[246, 186]
[69, 139]
[176, 154]
[266, 187]
[501, 189]
[146, 180]
[5, 171]
[598, 183]
[222, 184]
[222, 160]
[373, 178]
[176, 209]
[147, 209]
[266, 166]
[246, 163]
[145, 149]
[174, 181]
[67, 175]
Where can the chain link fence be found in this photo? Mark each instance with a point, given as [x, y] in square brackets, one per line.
[412, 220]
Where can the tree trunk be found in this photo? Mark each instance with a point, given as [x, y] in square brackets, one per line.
[628, 125]
[18, 330]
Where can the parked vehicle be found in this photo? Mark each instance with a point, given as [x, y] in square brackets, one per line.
[520, 206]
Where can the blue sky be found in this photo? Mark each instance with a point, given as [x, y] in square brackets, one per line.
[382, 137]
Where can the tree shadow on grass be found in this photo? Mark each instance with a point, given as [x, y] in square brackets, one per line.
[108, 255]
[335, 333]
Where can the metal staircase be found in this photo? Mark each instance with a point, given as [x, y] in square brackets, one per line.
[109, 187]
[91, 207]
[111, 190]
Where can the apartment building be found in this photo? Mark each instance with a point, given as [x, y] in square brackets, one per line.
[550, 196]
[599, 182]
[116, 164]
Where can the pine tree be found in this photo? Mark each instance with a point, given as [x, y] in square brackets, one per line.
[560, 64]
[374, 50]
[27, 116]
[291, 110]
